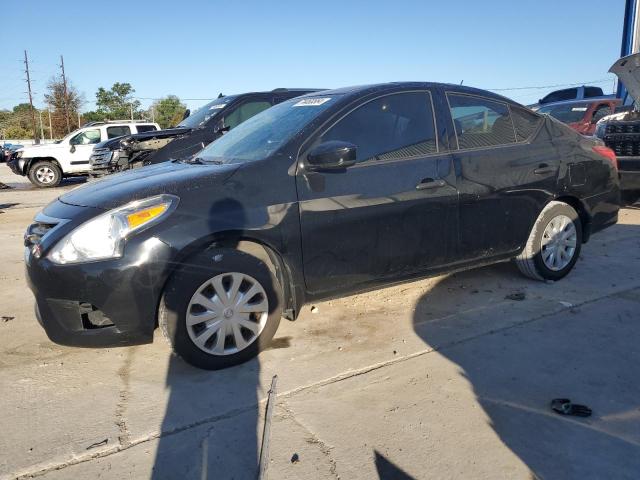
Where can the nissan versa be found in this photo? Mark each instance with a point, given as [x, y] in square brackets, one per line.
[321, 195]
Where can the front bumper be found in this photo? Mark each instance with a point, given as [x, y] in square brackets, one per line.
[629, 180]
[16, 165]
[99, 304]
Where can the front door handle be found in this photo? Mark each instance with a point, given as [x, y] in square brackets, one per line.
[426, 183]
[543, 169]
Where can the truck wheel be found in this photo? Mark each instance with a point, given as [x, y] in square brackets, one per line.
[221, 308]
[45, 174]
[554, 243]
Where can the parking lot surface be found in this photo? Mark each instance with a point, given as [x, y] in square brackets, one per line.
[449, 377]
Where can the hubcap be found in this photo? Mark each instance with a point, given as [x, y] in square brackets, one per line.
[227, 313]
[559, 242]
[45, 175]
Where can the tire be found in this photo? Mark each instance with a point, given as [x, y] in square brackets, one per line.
[202, 273]
[546, 247]
[45, 174]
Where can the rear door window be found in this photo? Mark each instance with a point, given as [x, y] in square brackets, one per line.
[118, 131]
[561, 95]
[480, 122]
[395, 126]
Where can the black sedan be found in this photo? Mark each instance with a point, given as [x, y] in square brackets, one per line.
[321, 195]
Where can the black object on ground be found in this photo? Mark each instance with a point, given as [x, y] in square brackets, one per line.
[518, 296]
[563, 406]
[295, 458]
[7, 318]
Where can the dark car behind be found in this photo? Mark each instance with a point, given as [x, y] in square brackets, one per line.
[191, 135]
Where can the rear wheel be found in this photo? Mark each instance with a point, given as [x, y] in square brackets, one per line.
[554, 243]
[45, 174]
[221, 309]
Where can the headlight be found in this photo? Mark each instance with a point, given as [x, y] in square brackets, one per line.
[103, 236]
[19, 154]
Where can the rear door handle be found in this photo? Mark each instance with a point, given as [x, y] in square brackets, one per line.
[426, 183]
[543, 168]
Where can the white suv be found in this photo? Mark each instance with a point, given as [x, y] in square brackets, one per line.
[46, 165]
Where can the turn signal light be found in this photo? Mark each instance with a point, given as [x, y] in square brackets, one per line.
[143, 216]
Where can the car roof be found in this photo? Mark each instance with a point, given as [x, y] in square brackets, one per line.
[360, 90]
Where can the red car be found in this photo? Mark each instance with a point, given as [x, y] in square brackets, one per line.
[581, 115]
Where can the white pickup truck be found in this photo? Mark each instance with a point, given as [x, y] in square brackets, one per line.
[46, 165]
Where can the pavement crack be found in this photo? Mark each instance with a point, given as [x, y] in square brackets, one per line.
[124, 372]
[312, 439]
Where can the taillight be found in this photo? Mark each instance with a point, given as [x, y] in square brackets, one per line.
[607, 153]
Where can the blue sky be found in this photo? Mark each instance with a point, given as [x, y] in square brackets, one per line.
[196, 49]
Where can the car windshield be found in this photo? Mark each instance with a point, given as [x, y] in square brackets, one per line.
[571, 113]
[203, 114]
[263, 134]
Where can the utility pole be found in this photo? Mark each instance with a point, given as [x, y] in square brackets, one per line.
[153, 113]
[41, 127]
[50, 127]
[78, 119]
[131, 107]
[33, 113]
[64, 81]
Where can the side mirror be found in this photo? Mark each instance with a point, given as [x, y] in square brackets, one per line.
[187, 112]
[331, 155]
[72, 149]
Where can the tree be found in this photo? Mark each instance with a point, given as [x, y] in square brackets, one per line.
[118, 102]
[167, 111]
[55, 99]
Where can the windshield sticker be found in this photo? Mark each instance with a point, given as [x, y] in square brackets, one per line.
[311, 102]
[579, 109]
[217, 107]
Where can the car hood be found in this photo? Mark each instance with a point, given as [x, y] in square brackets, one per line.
[628, 71]
[168, 177]
[115, 143]
[42, 147]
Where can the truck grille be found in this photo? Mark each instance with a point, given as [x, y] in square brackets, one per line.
[100, 156]
[617, 128]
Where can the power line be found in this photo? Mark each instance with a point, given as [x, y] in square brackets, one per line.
[542, 87]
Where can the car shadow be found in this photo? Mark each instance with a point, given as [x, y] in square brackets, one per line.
[516, 368]
[211, 423]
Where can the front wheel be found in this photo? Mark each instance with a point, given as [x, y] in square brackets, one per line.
[221, 308]
[45, 174]
[554, 243]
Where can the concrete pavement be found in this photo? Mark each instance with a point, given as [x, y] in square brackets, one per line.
[439, 378]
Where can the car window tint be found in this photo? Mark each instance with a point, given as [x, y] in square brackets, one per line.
[146, 128]
[113, 132]
[526, 122]
[88, 137]
[244, 112]
[391, 127]
[602, 111]
[567, 113]
[593, 92]
[560, 95]
[480, 122]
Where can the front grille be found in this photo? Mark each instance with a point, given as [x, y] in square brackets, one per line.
[616, 128]
[42, 226]
[100, 156]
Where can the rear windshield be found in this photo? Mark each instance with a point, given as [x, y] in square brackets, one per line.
[571, 113]
[263, 134]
